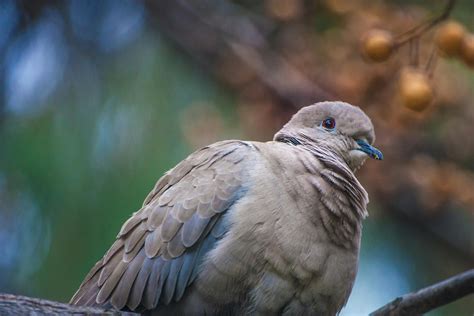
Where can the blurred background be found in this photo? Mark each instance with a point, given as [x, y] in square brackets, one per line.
[99, 98]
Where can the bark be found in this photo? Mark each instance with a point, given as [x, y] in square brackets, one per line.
[22, 305]
[431, 297]
[415, 303]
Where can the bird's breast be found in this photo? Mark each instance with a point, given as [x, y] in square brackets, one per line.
[277, 249]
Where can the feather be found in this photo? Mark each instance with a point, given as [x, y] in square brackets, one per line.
[192, 229]
[131, 223]
[170, 227]
[189, 259]
[170, 285]
[206, 195]
[156, 217]
[152, 291]
[108, 268]
[128, 256]
[138, 288]
[135, 237]
[153, 243]
[121, 293]
[220, 228]
[164, 276]
[206, 245]
[205, 210]
[111, 282]
[167, 196]
[117, 245]
[220, 205]
[185, 210]
[175, 246]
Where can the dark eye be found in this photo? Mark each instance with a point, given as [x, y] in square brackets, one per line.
[329, 123]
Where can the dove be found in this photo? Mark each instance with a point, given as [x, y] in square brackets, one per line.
[243, 227]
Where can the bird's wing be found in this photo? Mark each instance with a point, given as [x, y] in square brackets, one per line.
[158, 251]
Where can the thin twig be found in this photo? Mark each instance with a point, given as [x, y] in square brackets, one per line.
[414, 52]
[423, 27]
[416, 56]
[432, 60]
[430, 297]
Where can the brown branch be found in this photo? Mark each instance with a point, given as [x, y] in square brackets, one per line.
[431, 297]
[22, 305]
[210, 29]
[415, 303]
[418, 30]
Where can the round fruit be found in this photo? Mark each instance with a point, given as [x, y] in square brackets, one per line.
[378, 45]
[415, 90]
[449, 37]
[467, 50]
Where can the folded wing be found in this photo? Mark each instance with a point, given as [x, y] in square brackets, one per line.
[159, 250]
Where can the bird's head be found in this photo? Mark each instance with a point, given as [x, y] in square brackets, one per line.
[338, 127]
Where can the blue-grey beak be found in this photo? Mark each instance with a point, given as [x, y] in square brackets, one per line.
[369, 150]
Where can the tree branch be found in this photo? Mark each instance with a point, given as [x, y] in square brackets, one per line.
[22, 305]
[431, 297]
[422, 28]
[207, 29]
[415, 303]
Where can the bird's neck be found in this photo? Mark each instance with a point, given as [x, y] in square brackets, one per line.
[343, 198]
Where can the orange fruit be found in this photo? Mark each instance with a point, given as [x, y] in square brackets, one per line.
[378, 45]
[467, 50]
[449, 37]
[415, 89]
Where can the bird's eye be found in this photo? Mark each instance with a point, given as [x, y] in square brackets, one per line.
[329, 123]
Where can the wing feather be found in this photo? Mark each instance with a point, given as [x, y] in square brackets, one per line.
[170, 227]
[120, 297]
[111, 282]
[157, 215]
[153, 291]
[134, 238]
[117, 245]
[189, 260]
[153, 243]
[138, 287]
[176, 247]
[193, 229]
[159, 250]
[131, 223]
[107, 270]
[130, 255]
[171, 281]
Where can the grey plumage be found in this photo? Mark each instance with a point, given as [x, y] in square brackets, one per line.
[247, 227]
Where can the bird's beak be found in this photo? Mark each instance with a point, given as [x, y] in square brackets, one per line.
[369, 150]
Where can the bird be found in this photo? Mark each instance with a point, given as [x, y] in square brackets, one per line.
[247, 228]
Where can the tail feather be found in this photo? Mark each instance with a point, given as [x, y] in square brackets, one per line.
[88, 290]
